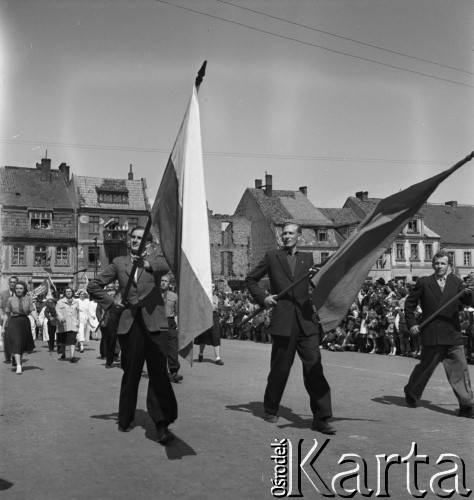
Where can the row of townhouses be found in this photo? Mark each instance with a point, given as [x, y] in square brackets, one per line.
[71, 227]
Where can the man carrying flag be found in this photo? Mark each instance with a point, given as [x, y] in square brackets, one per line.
[142, 333]
[293, 328]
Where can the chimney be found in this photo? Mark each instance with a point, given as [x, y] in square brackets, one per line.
[258, 183]
[268, 184]
[304, 190]
[45, 167]
[130, 174]
[362, 195]
[453, 203]
[64, 169]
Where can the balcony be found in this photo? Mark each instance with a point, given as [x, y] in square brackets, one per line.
[115, 236]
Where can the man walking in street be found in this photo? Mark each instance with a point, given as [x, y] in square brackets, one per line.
[441, 338]
[171, 305]
[142, 333]
[293, 328]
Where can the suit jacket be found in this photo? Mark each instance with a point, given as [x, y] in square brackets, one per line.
[445, 329]
[145, 293]
[296, 301]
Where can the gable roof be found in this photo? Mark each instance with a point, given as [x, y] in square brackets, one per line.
[455, 225]
[285, 205]
[341, 216]
[86, 189]
[24, 187]
[361, 207]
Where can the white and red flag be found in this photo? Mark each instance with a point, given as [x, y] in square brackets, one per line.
[179, 216]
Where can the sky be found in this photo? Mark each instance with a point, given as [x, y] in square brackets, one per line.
[336, 95]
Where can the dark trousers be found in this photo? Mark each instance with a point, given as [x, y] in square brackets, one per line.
[109, 337]
[140, 345]
[282, 357]
[455, 366]
[52, 336]
[173, 361]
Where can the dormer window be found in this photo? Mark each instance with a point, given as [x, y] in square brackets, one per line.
[113, 197]
[41, 220]
[413, 226]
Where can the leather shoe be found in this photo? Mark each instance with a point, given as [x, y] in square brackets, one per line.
[271, 418]
[322, 426]
[219, 362]
[410, 400]
[466, 412]
[127, 429]
[200, 357]
[164, 435]
[176, 377]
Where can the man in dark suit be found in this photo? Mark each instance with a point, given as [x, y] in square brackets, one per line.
[142, 333]
[441, 338]
[292, 327]
[4, 296]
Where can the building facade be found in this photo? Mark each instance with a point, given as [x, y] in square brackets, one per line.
[38, 230]
[267, 209]
[230, 243]
[106, 211]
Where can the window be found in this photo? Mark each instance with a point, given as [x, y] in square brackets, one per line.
[112, 197]
[413, 226]
[467, 259]
[40, 220]
[451, 258]
[62, 256]
[324, 256]
[428, 251]
[381, 262]
[400, 251]
[227, 264]
[132, 222]
[322, 235]
[94, 254]
[94, 222]
[40, 256]
[414, 251]
[226, 232]
[18, 256]
[115, 251]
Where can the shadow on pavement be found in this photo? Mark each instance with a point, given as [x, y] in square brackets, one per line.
[5, 485]
[26, 368]
[175, 450]
[400, 401]
[297, 422]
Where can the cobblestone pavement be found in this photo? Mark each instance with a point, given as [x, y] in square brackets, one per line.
[59, 436]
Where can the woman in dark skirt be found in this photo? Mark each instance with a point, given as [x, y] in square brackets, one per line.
[212, 336]
[18, 337]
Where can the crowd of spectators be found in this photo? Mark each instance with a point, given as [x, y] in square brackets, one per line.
[375, 323]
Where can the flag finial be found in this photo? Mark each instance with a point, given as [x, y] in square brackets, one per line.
[200, 75]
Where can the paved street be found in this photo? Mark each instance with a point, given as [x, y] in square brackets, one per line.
[59, 437]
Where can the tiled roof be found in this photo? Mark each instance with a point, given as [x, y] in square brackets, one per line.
[362, 206]
[23, 187]
[341, 216]
[86, 192]
[454, 225]
[285, 205]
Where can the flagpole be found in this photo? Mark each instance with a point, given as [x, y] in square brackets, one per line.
[442, 308]
[308, 275]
